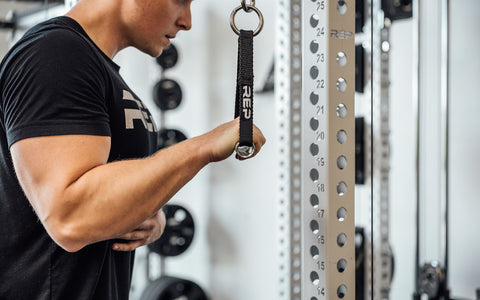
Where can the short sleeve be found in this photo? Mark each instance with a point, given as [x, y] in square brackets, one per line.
[54, 84]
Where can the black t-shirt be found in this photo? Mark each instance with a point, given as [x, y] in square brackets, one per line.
[55, 81]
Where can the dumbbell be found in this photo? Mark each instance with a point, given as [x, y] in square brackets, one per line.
[168, 58]
[172, 288]
[167, 94]
[178, 233]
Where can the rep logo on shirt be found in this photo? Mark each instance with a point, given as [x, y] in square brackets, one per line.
[140, 113]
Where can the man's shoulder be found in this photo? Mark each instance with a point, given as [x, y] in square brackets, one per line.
[54, 33]
[55, 42]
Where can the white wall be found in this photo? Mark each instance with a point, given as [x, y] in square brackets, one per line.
[402, 176]
[465, 151]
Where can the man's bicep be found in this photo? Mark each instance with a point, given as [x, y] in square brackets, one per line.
[46, 166]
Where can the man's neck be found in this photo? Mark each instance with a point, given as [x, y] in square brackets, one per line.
[102, 24]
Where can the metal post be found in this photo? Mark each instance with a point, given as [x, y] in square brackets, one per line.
[417, 110]
[445, 55]
[320, 142]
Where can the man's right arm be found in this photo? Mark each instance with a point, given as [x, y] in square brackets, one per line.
[81, 199]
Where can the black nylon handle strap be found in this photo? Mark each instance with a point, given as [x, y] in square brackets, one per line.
[244, 94]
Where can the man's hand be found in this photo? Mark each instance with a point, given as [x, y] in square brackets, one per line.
[221, 141]
[149, 231]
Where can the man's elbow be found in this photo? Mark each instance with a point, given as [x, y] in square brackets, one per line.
[65, 234]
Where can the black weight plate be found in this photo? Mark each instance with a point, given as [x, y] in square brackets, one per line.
[172, 288]
[178, 234]
[168, 58]
[167, 94]
[169, 137]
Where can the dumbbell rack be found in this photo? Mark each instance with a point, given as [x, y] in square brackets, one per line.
[315, 108]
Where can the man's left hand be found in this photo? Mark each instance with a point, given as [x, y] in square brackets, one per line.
[149, 231]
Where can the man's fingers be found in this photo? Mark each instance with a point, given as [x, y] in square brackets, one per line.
[136, 235]
[146, 225]
[147, 232]
[258, 132]
[130, 246]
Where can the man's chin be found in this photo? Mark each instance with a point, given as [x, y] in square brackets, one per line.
[154, 52]
[158, 53]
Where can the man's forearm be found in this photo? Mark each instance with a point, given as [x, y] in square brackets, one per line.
[114, 198]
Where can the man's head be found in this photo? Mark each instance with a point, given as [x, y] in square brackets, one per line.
[150, 24]
[147, 25]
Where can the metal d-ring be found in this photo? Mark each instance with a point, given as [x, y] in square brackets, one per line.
[244, 151]
[249, 8]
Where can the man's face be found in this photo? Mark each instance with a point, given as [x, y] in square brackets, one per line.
[150, 24]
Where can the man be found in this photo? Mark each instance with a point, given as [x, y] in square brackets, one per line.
[81, 185]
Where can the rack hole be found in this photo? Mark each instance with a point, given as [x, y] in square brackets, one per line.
[341, 85]
[341, 239]
[296, 290]
[296, 249]
[314, 278]
[314, 124]
[314, 252]
[297, 77]
[341, 188]
[314, 149]
[341, 265]
[341, 136]
[314, 175]
[341, 7]
[341, 214]
[296, 276]
[314, 45]
[341, 162]
[314, 227]
[314, 200]
[314, 21]
[341, 291]
[341, 111]
[341, 59]
[314, 98]
[314, 72]
[385, 46]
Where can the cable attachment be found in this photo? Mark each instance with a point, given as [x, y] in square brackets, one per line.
[245, 147]
[247, 8]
